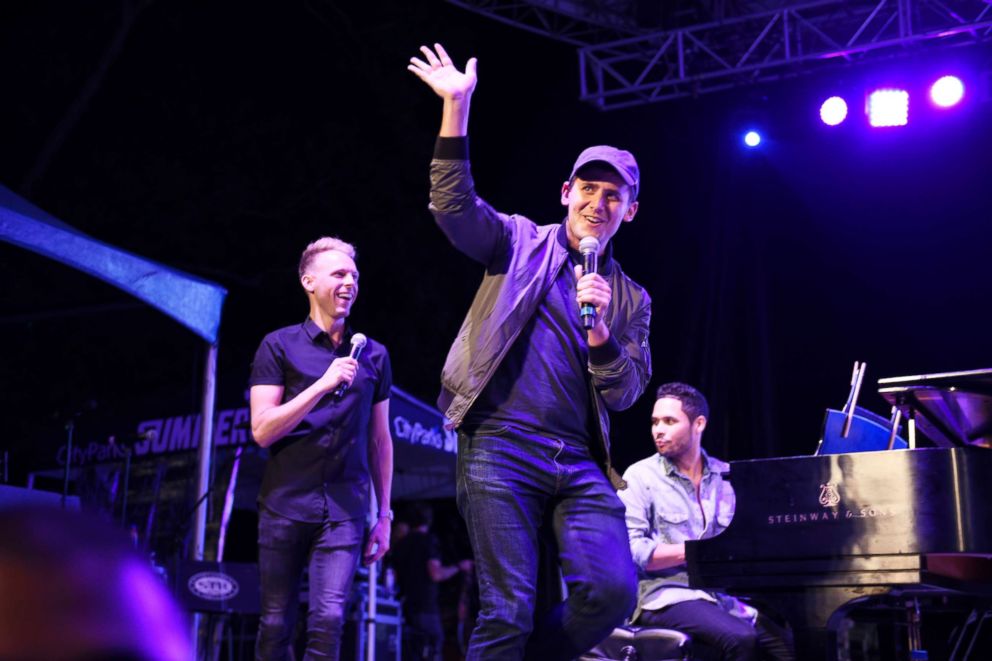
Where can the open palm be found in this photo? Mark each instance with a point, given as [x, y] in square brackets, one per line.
[442, 75]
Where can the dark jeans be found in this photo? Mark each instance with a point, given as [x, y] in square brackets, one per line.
[716, 634]
[333, 550]
[509, 482]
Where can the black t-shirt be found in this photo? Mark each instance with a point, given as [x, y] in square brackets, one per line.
[320, 469]
[410, 556]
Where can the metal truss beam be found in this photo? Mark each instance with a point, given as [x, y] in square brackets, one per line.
[623, 63]
[770, 46]
[576, 22]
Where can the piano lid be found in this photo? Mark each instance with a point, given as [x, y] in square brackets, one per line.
[952, 409]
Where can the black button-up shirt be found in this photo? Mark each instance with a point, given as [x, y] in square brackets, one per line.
[320, 469]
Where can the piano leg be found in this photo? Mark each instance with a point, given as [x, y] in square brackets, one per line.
[913, 628]
[815, 614]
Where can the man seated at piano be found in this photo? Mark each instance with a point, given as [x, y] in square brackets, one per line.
[679, 494]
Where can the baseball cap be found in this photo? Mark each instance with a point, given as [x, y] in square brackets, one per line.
[619, 159]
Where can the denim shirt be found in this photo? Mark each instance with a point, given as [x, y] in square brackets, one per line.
[662, 508]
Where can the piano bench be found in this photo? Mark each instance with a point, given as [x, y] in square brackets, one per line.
[636, 643]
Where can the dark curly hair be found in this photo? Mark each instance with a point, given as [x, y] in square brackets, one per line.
[693, 402]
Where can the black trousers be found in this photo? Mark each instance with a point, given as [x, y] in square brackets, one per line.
[717, 634]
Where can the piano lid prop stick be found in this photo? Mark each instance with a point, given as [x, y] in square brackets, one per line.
[894, 421]
[850, 393]
[856, 379]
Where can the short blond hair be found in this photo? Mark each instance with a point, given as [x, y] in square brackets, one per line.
[323, 244]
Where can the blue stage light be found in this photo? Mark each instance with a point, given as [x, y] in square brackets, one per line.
[752, 139]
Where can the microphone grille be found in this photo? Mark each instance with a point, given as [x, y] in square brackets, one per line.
[359, 340]
[589, 244]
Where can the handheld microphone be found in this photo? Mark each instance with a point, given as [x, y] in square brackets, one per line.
[589, 247]
[358, 341]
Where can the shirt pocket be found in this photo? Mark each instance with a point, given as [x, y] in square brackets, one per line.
[672, 525]
[723, 519]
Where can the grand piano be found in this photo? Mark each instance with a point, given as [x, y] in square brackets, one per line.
[813, 536]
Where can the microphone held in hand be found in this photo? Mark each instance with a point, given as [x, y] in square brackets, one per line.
[589, 247]
[358, 341]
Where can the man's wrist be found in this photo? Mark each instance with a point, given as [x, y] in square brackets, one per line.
[598, 335]
[451, 148]
[605, 352]
[385, 514]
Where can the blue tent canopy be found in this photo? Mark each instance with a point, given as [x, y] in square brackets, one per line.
[193, 302]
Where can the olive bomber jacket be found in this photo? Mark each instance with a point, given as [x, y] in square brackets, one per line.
[522, 260]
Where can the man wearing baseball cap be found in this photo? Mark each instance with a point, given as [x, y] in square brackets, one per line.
[529, 382]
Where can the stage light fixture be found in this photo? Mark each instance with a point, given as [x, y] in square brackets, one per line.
[752, 139]
[833, 111]
[888, 107]
[947, 91]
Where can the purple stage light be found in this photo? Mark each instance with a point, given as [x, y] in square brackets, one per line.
[947, 91]
[888, 107]
[833, 111]
[752, 139]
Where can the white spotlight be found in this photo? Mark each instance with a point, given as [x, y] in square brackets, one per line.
[888, 107]
[947, 91]
[833, 111]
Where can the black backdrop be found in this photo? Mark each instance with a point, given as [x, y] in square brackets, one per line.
[221, 137]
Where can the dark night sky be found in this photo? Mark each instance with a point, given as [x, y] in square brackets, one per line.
[224, 136]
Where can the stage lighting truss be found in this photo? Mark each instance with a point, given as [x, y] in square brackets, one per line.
[711, 48]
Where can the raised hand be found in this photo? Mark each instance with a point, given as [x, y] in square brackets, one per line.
[442, 75]
[452, 85]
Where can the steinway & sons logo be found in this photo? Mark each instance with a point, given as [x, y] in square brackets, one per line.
[829, 499]
[829, 496]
